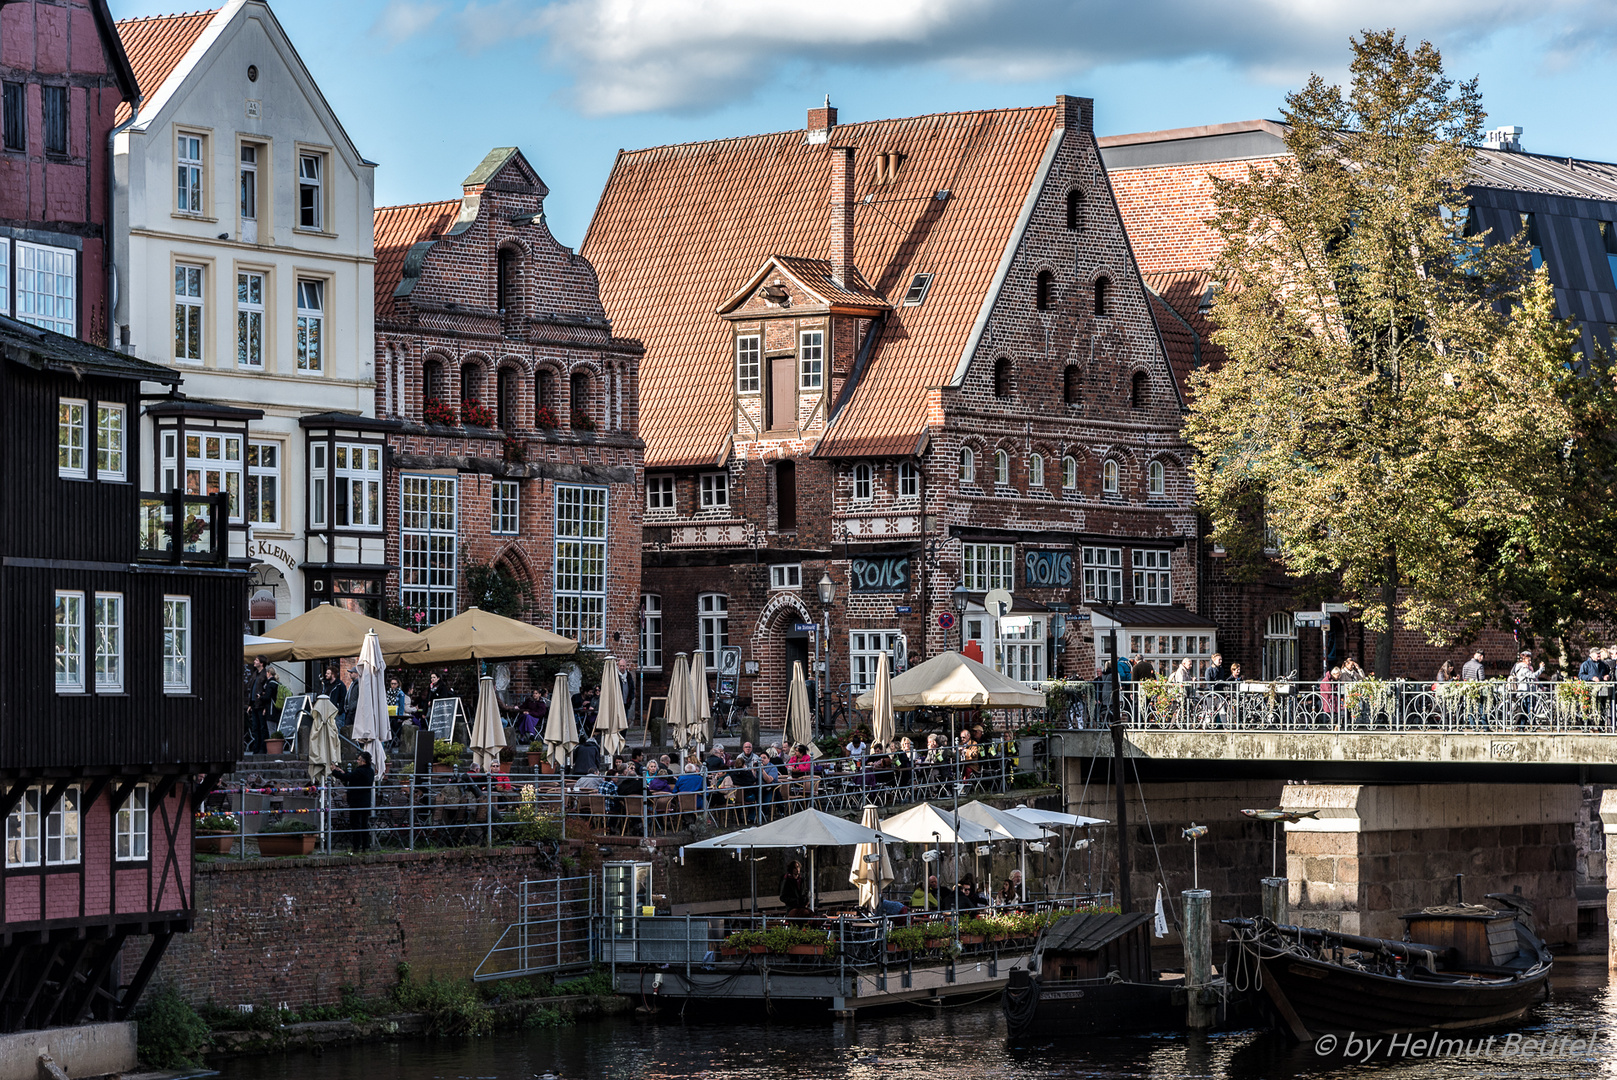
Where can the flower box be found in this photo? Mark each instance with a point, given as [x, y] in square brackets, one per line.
[437, 768]
[283, 844]
[937, 943]
[971, 939]
[805, 950]
[212, 843]
[726, 951]
[758, 950]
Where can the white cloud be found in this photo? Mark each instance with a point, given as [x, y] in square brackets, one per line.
[629, 56]
[404, 19]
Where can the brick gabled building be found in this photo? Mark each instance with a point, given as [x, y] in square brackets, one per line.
[519, 442]
[911, 355]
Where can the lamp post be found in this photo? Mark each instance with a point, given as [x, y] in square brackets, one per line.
[828, 596]
[960, 598]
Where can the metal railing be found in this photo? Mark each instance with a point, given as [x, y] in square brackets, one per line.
[553, 931]
[1366, 705]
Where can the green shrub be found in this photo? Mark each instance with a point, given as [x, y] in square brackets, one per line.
[447, 753]
[289, 825]
[170, 1033]
[544, 1018]
[451, 1007]
[597, 983]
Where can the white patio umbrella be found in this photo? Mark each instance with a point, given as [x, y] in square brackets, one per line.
[881, 707]
[371, 724]
[701, 718]
[952, 680]
[807, 828]
[610, 719]
[1007, 826]
[676, 710]
[561, 729]
[871, 870]
[799, 721]
[926, 823]
[1053, 819]
[488, 734]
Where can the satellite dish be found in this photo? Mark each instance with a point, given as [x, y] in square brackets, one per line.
[998, 603]
[502, 677]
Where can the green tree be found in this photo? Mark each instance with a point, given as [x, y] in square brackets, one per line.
[1391, 409]
[492, 587]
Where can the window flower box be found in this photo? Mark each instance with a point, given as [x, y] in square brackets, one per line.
[434, 411]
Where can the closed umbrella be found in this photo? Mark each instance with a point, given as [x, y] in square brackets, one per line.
[881, 708]
[610, 719]
[328, 631]
[870, 874]
[799, 721]
[676, 710]
[325, 746]
[701, 718]
[370, 715]
[488, 734]
[561, 730]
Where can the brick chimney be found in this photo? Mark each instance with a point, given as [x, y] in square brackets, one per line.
[820, 123]
[842, 214]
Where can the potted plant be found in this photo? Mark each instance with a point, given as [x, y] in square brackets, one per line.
[274, 744]
[746, 941]
[906, 939]
[214, 832]
[515, 452]
[289, 836]
[434, 411]
[935, 934]
[446, 755]
[536, 754]
[582, 421]
[797, 941]
[474, 413]
[544, 418]
[974, 931]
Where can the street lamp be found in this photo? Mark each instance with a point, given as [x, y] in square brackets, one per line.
[960, 599]
[828, 595]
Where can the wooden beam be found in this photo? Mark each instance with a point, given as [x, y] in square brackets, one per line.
[71, 973]
[53, 796]
[143, 975]
[120, 794]
[97, 786]
[13, 796]
[160, 792]
[39, 982]
[10, 965]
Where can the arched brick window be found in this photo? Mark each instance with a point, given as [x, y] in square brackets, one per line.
[507, 400]
[1002, 377]
[471, 383]
[1103, 288]
[1075, 209]
[582, 393]
[1138, 389]
[1044, 290]
[1156, 479]
[1071, 383]
[432, 380]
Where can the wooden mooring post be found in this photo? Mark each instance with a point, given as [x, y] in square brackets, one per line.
[1198, 938]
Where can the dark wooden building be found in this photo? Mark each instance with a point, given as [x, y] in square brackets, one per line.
[120, 683]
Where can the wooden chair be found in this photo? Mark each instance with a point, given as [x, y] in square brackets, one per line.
[633, 805]
[597, 810]
[688, 806]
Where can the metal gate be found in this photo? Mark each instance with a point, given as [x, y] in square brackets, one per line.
[553, 931]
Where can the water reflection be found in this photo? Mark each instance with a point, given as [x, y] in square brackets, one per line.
[965, 1043]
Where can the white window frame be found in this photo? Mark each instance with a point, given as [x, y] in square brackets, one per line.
[1002, 468]
[968, 465]
[580, 564]
[190, 173]
[46, 290]
[63, 832]
[319, 484]
[715, 487]
[660, 494]
[5, 276]
[247, 183]
[1069, 472]
[651, 632]
[108, 613]
[985, 567]
[504, 508]
[1168, 646]
[863, 483]
[311, 191]
[357, 485]
[864, 646]
[1108, 477]
[311, 325]
[24, 829]
[111, 441]
[712, 626]
[260, 477]
[1103, 575]
[132, 832]
[250, 319]
[749, 363]
[427, 544]
[68, 627]
[177, 638]
[73, 438]
[1156, 478]
[1019, 647]
[1035, 471]
[785, 575]
[810, 359]
[909, 480]
[190, 311]
[1153, 577]
[212, 473]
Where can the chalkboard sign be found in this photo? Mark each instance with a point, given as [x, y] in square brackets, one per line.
[292, 714]
[442, 721]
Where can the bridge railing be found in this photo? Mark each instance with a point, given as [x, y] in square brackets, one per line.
[1365, 705]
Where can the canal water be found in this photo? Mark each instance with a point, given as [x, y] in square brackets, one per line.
[1574, 1034]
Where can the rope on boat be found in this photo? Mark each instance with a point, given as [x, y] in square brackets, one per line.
[1020, 1003]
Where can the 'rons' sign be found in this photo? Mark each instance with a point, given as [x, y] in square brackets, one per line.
[1047, 569]
[881, 573]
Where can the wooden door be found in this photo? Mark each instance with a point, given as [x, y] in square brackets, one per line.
[783, 393]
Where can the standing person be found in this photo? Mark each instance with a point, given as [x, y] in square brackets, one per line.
[794, 892]
[260, 704]
[332, 686]
[1523, 685]
[1444, 673]
[350, 699]
[1472, 671]
[857, 748]
[1330, 689]
[1590, 669]
[358, 780]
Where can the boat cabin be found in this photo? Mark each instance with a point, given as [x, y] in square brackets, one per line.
[1092, 946]
[1470, 937]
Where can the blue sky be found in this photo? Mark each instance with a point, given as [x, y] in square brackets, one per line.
[427, 87]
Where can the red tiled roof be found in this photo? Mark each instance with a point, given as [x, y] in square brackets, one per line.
[815, 276]
[155, 47]
[680, 228]
[397, 229]
[1189, 346]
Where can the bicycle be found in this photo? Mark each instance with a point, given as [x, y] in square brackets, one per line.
[726, 714]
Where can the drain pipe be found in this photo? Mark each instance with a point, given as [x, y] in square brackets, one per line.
[108, 230]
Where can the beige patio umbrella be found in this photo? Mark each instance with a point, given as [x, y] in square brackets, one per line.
[330, 631]
[325, 746]
[953, 681]
[799, 721]
[483, 635]
[561, 730]
[677, 709]
[701, 718]
[881, 709]
[371, 725]
[870, 875]
[610, 719]
[488, 734]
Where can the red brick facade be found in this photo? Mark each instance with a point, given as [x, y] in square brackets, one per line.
[477, 304]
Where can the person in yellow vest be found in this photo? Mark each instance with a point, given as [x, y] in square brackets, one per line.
[926, 897]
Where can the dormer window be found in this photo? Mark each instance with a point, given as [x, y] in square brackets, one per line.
[747, 364]
[919, 285]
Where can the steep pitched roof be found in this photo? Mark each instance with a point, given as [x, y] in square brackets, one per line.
[680, 228]
[156, 45]
[398, 229]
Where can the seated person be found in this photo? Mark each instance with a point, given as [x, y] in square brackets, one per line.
[747, 785]
[1010, 890]
[799, 762]
[904, 763]
[925, 897]
[690, 781]
[794, 892]
[591, 782]
[531, 716]
[969, 896]
[657, 782]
